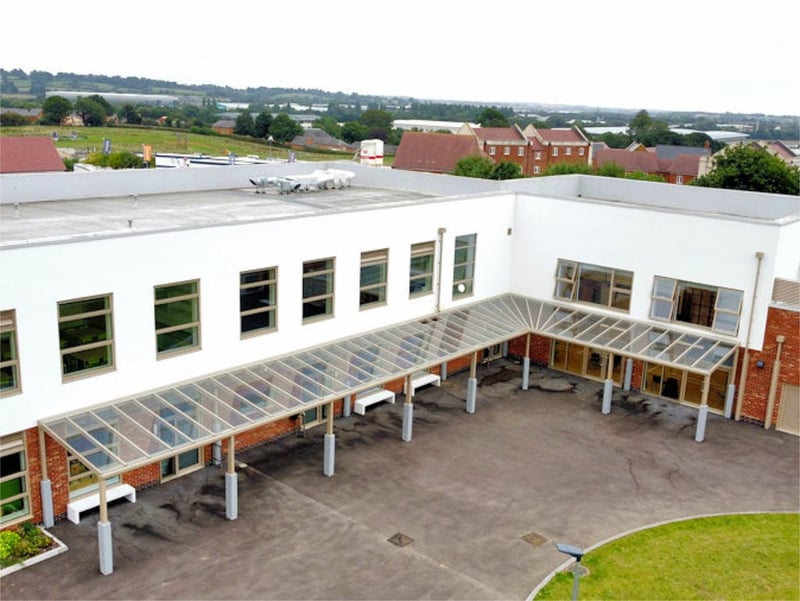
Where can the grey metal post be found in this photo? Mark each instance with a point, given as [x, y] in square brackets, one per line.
[702, 415]
[231, 484]
[46, 491]
[329, 454]
[626, 385]
[608, 389]
[472, 393]
[576, 580]
[408, 421]
[348, 403]
[443, 371]
[526, 369]
[730, 396]
[216, 453]
[105, 548]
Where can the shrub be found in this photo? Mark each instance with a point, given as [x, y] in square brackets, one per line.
[22, 542]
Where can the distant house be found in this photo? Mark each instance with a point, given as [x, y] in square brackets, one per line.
[29, 154]
[316, 138]
[676, 164]
[432, 152]
[501, 144]
[224, 127]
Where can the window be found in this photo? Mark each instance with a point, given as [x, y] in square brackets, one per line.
[177, 317]
[374, 265]
[568, 151]
[593, 284]
[257, 300]
[521, 151]
[506, 150]
[537, 155]
[555, 151]
[491, 150]
[536, 170]
[678, 179]
[14, 490]
[420, 281]
[581, 151]
[317, 288]
[9, 360]
[698, 304]
[464, 265]
[85, 335]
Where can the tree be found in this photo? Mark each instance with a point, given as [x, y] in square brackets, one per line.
[55, 109]
[244, 126]
[746, 167]
[284, 128]
[262, 124]
[640, 124]
[129, 114]
[353, 131]
[329, 125]
[107, 108]
[506, 170]
[474, 165]
[91, 112]
[492, 117]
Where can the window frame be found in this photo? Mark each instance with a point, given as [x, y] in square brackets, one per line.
[329, 272]
[8, 327]
[379, 288]
[12, 445]
[666, 293]
[270, 282]
[568, 151]
[568, 277]
[537, 156]
[521, 151]
[99, 339]
[491, 150]
[422, 250]
[581, 151]
[555, 151]
[468, 281]
[193, 324]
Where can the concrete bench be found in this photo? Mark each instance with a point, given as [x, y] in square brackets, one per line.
[118, 491]
[370, 398]
[421, 379]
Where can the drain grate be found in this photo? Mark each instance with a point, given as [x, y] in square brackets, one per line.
[400, 539]
[534, 538]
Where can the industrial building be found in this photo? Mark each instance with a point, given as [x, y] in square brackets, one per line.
[155, 321]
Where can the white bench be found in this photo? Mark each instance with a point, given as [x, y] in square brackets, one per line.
[113, 493]
[370, 398]
[421, 379]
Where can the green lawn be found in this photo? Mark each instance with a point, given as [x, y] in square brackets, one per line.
[754, 556]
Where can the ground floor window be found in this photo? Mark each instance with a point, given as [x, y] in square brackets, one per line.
[181, 464]
[584, 361]
[14, 489]
[684, 386]
[81, 480]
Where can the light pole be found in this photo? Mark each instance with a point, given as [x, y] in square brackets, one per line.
[270, 140]
[577, 554]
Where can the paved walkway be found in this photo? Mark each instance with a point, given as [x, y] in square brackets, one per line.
[478, 500]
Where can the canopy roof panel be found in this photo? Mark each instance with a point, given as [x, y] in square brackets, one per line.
[126, 433]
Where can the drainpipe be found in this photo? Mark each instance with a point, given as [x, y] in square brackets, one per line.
[439, 242]
[773, 383]
[746, 359]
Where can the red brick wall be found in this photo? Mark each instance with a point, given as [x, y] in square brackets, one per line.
[754, 404]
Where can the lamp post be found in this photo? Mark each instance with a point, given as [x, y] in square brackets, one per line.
[577, 554]
[270, 140]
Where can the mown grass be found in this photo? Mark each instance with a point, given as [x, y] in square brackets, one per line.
[754, 556]
[87, 140]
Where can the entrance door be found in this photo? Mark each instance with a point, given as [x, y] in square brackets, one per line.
[789, 411]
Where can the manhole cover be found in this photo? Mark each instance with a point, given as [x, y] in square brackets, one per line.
[534, 538]
[400, 539]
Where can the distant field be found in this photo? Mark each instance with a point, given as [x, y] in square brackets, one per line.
[86, 140]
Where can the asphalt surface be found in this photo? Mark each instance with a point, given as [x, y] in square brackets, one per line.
[468, 509]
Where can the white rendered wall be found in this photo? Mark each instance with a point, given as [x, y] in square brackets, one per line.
[129, 268]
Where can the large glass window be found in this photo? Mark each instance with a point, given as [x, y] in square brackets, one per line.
[698, 304]
[14, 489]
[177, 317]
[317, 288]
[9, 360]
[258, 297]
[464, 265]
[374, 267]
[85, 335]
[420, 281]
[594, 284]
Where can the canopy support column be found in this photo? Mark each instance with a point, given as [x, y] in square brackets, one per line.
[608, 385]
[104, 544]
[329, 452]
[526, 363]
[730, 396]
[626, 386]
[443, 371]
[45, 488]
[472, 383]
[348, 405]
[408, 410]
[231, 484]
[702, 412]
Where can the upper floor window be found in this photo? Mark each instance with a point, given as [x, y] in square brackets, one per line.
[464, 265]
[521, 151]
[568, 151]
[86, 335]
[555, 151]
[581, 151]
[593, 284]
[698, 304]
[507, 150]
[14, 490]
[374, 268]
[258, 294]
[420, 280]
[491, 150]
[317, 288]
[537, 155]
[9, 360]
[177, 317]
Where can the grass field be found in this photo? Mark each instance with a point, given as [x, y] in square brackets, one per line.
[87, 140]
[753, 556]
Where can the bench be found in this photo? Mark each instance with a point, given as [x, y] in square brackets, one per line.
[421, 379]
[118, 491]
[370, 398]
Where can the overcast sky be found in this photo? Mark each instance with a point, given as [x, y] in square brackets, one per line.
[692, 55]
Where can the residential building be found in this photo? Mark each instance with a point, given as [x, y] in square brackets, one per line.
[29, 154]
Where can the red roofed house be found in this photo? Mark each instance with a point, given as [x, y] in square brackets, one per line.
[676, 164]
[551, 146]
[501, 144]
[433, 152]
[24, 154]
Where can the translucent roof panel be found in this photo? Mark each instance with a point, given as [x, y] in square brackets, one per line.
[122, 434]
